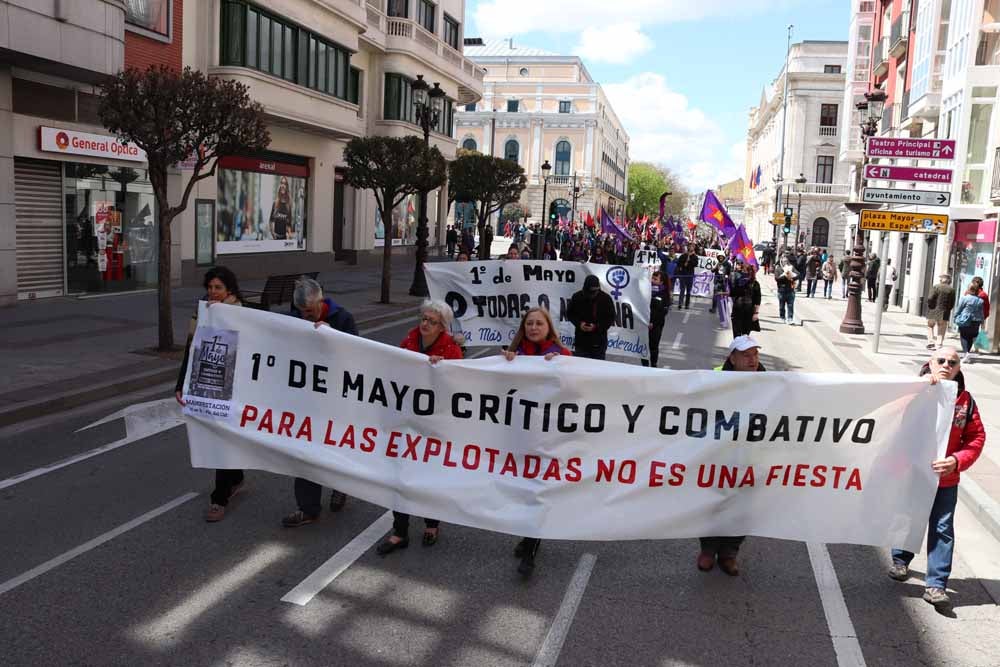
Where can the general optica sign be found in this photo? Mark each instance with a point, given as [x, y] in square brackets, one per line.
[72, 142]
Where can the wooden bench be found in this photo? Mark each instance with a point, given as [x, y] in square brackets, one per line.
[277, 290]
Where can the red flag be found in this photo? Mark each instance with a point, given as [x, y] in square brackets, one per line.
[590, 220]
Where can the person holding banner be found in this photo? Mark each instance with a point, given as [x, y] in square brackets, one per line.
[429, 337]
[965, 444]
[221, 286]
[744, 356]
[592, 312]
[309, 304]
[536, 337]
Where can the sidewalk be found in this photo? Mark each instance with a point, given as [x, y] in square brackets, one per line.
[902, 350]
[65, 352]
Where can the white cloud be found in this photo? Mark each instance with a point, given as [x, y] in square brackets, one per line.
[626, 42]
[506, 18]
[664, 128]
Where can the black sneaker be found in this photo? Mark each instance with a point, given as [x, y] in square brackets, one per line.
[298, 518]
[337, 501]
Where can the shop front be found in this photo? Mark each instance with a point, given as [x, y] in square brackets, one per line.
[973, 250]
[86, 219]
[404, 222]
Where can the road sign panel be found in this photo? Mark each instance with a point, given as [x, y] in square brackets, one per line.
[779, 219]
[920, 197]
[892, 221]
[927, 149]
[885, 173]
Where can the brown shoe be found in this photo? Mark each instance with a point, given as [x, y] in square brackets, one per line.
[706, 561]
[729, 565]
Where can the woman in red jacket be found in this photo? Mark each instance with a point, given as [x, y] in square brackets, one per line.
[536, 337]
[965, 444]
[431, 337]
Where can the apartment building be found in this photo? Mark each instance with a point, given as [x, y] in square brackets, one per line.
[538, 107]
[816, 82]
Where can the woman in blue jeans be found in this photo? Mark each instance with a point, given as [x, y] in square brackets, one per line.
[969, 316]
[786, 294]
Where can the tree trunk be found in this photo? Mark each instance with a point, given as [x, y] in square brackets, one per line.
[387, 253]
[165, 325]
[484, 250]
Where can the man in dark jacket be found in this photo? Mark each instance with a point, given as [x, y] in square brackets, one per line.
[939, 304]
[871, 276]
[659, 305]
[684, 272]
[451, 237]
[592, 312]
[308, 303]
[800, 267]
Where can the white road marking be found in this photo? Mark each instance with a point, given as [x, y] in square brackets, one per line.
[838, 620]
[687, 316]
[340, 561]
[548, 653]
[167, 629]
[677, 340]
[53, 563]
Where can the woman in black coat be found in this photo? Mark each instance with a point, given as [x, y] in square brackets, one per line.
[745, 293]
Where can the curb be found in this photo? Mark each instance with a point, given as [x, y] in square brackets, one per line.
[983, 506]
[72, 399]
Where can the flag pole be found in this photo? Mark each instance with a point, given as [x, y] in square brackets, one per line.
[784, 116]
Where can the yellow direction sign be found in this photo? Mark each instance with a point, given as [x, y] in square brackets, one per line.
[891, 221]
[779, 219]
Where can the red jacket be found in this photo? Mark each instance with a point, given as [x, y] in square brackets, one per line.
[527, 348]
[986, 304]
[444, 347]
[967, 436]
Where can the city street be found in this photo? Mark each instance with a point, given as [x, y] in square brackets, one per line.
[107, 560]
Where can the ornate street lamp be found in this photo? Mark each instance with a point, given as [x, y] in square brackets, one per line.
[871, 111]
[799, 182]
[539, 243]
[427, 103]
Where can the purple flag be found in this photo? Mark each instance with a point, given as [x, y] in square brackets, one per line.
[714, 213]
[609, 226]
[741, 247]
[663, 204]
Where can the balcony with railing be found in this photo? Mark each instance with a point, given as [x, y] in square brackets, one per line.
[995, 185]
[888, 119]
[827, 130]
[899, 34]
[806, 189]
[881, 57]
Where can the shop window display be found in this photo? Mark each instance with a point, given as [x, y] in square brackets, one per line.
[261, 212]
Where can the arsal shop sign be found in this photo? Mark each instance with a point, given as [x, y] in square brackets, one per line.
[72, 142]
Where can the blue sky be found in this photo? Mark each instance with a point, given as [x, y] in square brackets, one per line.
[681, 74]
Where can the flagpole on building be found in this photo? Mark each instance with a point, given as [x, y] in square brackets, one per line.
[784, 117]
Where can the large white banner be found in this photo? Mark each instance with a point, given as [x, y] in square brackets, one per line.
[490, 297]
[569, 448]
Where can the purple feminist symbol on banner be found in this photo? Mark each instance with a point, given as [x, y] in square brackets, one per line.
[618, 278]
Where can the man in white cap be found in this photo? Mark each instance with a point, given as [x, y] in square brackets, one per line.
[744, 355]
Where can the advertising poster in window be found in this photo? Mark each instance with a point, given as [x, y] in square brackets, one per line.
[262, 206]
[404, 222]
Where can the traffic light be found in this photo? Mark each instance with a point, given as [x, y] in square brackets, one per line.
[787, 227]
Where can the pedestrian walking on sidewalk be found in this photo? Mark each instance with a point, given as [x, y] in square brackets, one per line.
[221, 286]
[871, 276]
[431, 336]
[813, 265]
[536, 337]
[592, 313]
[309, 304]
[981, 293]
[969, 318]
[965, 444]
[744, 356]
[844, 268]
[829, 274]
[451, 237]
[940, 301]
[890, 282]
[786, 294]
[800, 268]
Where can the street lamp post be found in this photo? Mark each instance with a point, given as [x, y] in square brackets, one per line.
[427, 103]
[852, 324]
[799, 182]
[546, 168]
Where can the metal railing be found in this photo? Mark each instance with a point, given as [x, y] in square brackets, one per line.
[881, 55]
[995, 185]
[888, 121]
[904, 106]
[900, 31]
[827, 130]
[819, 189]
[409, 29]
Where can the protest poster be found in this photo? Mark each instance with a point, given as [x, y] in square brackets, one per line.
[489, 298]
[570, 448]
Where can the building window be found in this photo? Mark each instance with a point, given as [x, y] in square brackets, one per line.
[523, 71]
[820, 233]
[151, 15]
[512, 106]
[451, 32]
[565, 106]
[399, 105]
[824, 169]
[253, 38]
[563, 153]
[398, 8]
[828, 115]
[425, 15]
[470, 144]
[831, 69]
[446, 119]
[470, 107]
[511, 150]
[354, 87]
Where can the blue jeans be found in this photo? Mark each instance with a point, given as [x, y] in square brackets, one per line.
[786, 299]
[827, 288]
[843, 287]
[940, 539]
[811, 287]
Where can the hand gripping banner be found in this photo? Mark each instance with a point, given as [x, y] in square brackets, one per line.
[568, 448]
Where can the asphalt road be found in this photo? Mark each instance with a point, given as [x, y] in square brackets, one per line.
[108, 562]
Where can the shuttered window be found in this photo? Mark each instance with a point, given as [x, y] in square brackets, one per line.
[39, 228]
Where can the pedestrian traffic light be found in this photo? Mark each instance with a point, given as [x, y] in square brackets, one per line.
[787, 227]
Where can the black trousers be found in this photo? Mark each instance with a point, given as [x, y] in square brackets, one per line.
[591, 353]
[401, 524]
[654, 346]
[725, 547]
[225, 481]
[872, 290]
[531, 545]
[309, 496]
[684, 299]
